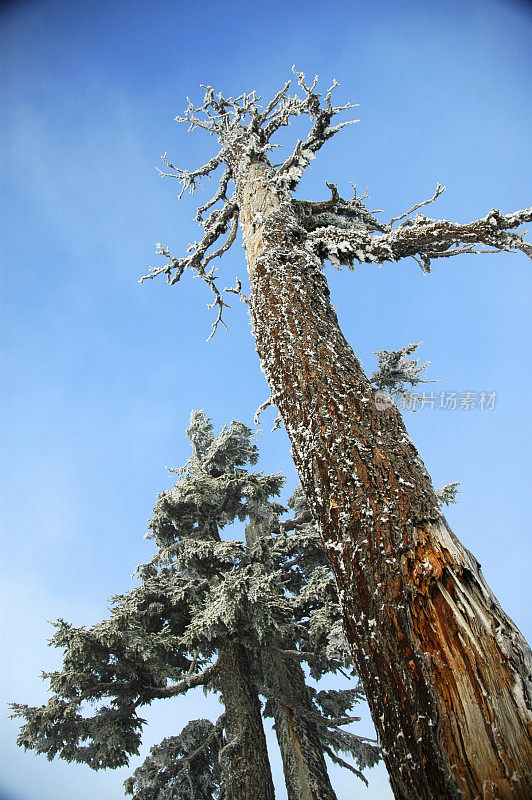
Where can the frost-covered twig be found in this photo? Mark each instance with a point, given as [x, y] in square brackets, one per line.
[439, 190]
[237, 289]
[278, 421]
[291, 170]
[220, 194]
[199, 257]
[189, 179]
[263, 406]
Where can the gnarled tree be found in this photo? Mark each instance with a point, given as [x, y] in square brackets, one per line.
[446, 672]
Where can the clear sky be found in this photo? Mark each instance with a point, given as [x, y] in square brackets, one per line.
[100, 373]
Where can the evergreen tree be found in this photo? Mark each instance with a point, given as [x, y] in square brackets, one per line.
[445, 671]
[237, 618]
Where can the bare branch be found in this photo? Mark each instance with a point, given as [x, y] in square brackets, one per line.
[263, 406]
[291, 170]
[218, 302]
[189, 179]
[278, 421]
[439, 190]
[237, 289]
[220, 194]
[269, 110]
[199, 257]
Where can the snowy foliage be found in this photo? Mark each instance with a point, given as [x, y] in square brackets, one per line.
[185, 766]
[395, 369]
[447, 494]
[196, 594]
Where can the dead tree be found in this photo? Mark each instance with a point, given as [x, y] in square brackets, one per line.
[446, 672]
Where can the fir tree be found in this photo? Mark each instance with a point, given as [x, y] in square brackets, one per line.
[237, 618]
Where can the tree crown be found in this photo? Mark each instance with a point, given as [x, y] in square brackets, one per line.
[341, 231]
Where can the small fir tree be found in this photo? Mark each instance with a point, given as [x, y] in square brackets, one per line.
[237, 618]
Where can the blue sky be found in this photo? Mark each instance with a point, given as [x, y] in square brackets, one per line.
[100, 373]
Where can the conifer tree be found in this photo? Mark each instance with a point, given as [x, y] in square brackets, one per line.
[237, 618]
[447, 674]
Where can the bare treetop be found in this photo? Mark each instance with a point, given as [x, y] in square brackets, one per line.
[341, 231]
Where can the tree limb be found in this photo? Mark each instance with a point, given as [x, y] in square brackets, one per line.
[215, 225]
[189, 179]
[190, 682]
[424, 239]
[336, 759]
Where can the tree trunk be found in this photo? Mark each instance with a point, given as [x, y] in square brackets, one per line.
[446, 672]
[304, 766]
[248, 776]
[299, 741]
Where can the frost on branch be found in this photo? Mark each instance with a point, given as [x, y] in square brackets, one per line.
[395, 369]
[342, 231]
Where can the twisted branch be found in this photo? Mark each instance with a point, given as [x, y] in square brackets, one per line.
[198, 259]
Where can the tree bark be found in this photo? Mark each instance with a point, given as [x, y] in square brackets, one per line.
[447, 674]
[248, 776]
[304, 766]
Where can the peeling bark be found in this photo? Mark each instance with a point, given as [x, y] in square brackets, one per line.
[447, 674]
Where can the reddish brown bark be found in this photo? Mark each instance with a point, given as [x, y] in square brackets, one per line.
[446, 672]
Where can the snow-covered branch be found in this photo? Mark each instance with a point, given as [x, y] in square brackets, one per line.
[199, 258]
[220, 194]
[321, 114]
[447, 494]
[185, 765]
[439, 190]
[422, 238]
[244, 125]
[337, 212]
[187, 178]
